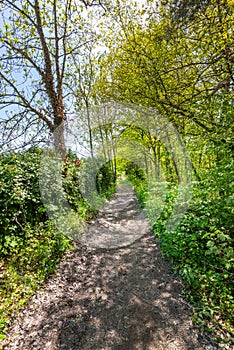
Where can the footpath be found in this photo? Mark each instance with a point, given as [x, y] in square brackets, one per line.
[114, 291]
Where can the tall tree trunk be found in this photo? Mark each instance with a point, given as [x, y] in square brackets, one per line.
[58, 134]
[89, 128]
[56, 98]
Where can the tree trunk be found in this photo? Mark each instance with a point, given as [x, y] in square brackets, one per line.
[59, 139]
[55, 97]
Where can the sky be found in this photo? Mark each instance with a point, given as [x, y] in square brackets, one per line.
[5, 112]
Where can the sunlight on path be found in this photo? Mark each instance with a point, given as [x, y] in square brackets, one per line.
[119, 223]
[128, 298]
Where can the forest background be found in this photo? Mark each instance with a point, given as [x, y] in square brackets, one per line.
[171, 60]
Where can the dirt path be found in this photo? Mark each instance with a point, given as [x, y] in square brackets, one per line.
[114, 291]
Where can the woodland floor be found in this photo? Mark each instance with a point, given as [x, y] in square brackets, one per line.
[113, 291]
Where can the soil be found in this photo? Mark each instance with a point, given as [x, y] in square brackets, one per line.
[113, 291]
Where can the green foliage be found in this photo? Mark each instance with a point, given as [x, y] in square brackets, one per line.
[140, 188]
[20, 199]
[106, 180]
[73, 194]
[28, 264]
[133, 172]
[136, 176]
[183, 69]
[201, 248]
[30, 244]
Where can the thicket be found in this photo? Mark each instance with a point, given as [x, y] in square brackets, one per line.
[106, 180]
[30, 243]
[201, 246]
[182, 69]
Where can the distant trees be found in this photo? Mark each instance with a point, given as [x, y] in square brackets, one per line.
[183, 69]
[149, 84]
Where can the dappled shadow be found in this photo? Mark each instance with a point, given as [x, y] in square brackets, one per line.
[131, 301]
[119, 223]
[110, 297]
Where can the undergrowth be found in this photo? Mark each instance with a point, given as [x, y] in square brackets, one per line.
[28, 264]
[201, 251]
[31, 244]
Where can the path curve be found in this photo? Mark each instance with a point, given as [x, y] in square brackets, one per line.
[113, 292]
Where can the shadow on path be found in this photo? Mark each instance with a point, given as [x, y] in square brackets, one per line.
[125, 298]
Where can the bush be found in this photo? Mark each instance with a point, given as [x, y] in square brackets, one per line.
[20, 199]
[201, 246]
[201, 249]
[32, 260]
[106, 180]
[30, 244]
